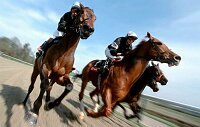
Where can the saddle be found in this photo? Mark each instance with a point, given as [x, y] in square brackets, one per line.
[46, 45]
[102, 66]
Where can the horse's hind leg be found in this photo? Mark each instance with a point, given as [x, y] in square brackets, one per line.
[124, 109]
[136, 109]
[81, 94]
[106, 110]
[96, 104]
[68, 88]
[34, 75]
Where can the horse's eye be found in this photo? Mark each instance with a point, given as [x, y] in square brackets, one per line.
[159, 43]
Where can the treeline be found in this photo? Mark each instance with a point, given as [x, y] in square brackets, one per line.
[13, 47]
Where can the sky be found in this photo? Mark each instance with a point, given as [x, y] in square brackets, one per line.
[174, 22]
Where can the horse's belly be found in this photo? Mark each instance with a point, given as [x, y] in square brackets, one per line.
[119, 95]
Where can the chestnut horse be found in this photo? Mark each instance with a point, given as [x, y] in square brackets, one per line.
[123, 75]
[150, 77]
[58, 62]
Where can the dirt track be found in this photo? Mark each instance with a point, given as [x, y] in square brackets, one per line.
[14, 82]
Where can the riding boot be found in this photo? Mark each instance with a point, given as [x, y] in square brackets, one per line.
[44, 46]
[42, 49]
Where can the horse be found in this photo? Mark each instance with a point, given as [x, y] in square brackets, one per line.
[58, 63]
[150, 76]
[123, 75]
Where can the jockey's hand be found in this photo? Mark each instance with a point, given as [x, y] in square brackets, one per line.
[119, 54]
[117, 60]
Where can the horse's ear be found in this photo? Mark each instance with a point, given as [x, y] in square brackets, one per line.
[82, 7]
[149, 35]
[152, 63]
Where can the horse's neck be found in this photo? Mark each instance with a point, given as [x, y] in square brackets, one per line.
[134, 70]
[136, 62]
[136, 67]
[70, 42]
[139, 86]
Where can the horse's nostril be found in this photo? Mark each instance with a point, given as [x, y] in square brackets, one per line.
[91, 30]
[178, 58]
[88, 28]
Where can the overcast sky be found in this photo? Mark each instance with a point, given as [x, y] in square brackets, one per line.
[175, 22]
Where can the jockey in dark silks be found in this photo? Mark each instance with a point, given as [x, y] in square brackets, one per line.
[66, 23]
[115, 51]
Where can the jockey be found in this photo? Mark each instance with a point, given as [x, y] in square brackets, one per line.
[121, 46]
[66, 23]
[115, 51]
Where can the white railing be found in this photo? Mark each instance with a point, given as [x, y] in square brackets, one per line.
[173, 105]
[15, 59]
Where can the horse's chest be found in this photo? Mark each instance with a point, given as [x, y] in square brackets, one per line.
[61, 68]
[61, 71]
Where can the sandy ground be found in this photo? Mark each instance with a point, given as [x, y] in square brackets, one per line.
[14, 82]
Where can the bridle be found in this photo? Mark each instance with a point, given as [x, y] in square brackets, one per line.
[79, 27]
[158, 50]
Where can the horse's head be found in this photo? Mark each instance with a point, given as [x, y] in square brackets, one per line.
[156, 75]
[160, 52]
[86, 22]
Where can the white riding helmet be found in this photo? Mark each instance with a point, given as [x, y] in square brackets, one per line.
[76, 5]
[132, 34]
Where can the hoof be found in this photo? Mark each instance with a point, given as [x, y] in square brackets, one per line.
[89, 112]
[31, 118]
[138, 116]
[23, 103]
[96, 108]
[21, 106]
[81, 116]
[46, 106]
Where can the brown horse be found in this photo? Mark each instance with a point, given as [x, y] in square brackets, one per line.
[150, 77]
[121, 77]
[58, 62]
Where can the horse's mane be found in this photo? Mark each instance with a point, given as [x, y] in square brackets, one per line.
[89, 9]
[133, 52]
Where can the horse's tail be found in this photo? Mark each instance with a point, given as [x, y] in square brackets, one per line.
[74, 77]
[78, 76]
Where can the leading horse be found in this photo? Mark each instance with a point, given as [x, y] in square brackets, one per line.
[121, 77]
[58, 62]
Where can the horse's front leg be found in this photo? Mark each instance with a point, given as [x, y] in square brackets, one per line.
[34, 75]
[49, 91]
[68, 88]
[33, 115]
[48, 94]
[106, 109]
